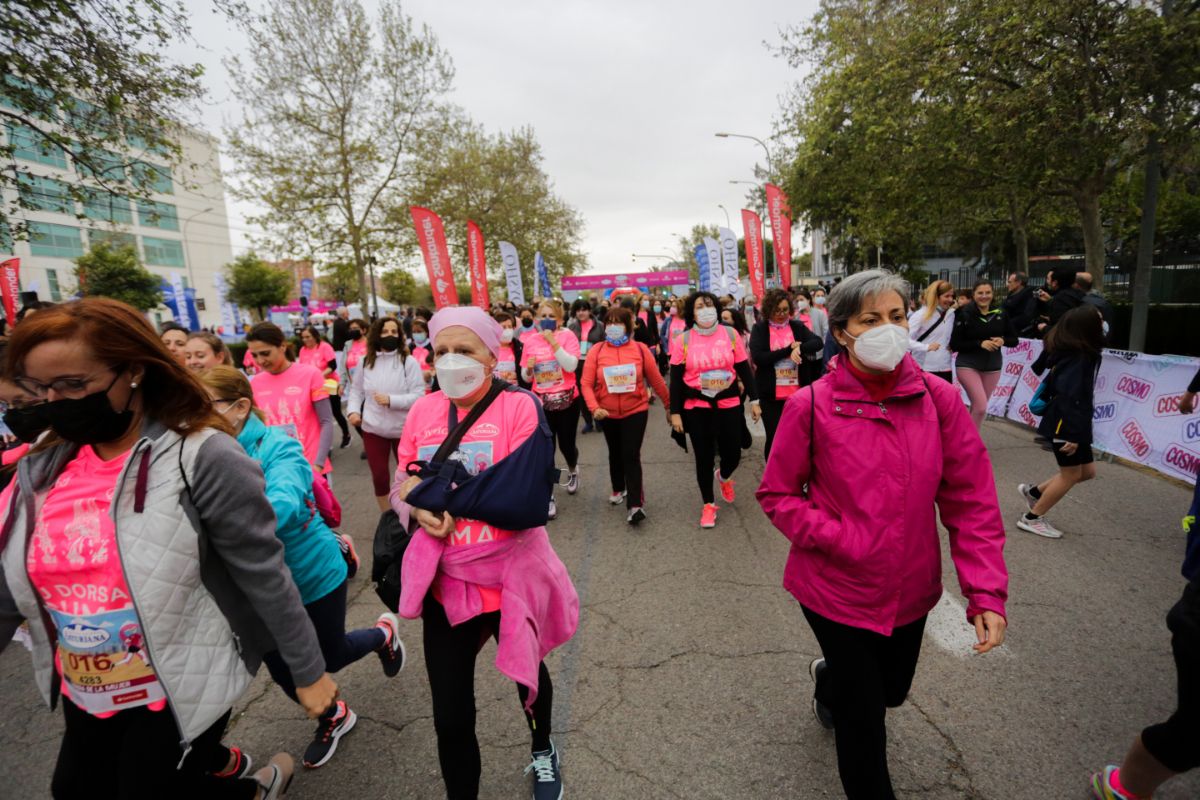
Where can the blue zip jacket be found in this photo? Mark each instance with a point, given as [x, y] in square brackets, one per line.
[309, 547]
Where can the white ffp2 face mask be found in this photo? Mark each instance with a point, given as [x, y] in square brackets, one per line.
[459, 375]
[706, 317]
[882, 347]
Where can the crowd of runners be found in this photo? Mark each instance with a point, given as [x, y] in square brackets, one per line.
[170, 521]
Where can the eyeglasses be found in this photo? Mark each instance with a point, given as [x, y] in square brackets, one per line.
[70, 388]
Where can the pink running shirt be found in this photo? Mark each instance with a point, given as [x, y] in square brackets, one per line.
[287, 399]
[787, 372]
[503, 427]
[548, 374]
[709, 363]
[319, 357]
[73, 563]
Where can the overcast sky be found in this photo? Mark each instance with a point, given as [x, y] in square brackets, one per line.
[625, 98]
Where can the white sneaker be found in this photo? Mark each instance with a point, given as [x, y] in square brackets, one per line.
[616, 498]
[553, 509]
[1039, 526]
[1026, 494]
[573, 482]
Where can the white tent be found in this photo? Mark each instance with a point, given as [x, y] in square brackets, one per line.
[356, 310]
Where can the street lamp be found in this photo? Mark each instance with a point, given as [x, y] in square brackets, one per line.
[750, 183]
[761, 144]
[187, 260]
[728, 224]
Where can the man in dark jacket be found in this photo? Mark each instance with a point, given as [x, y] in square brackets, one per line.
[1084, 283]
[341, 328]
[1059, 297]
[1021, 304]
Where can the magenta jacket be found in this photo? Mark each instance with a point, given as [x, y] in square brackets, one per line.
[539, 609]
[865, 547]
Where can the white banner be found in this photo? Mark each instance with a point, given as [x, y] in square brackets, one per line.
[512, 273]
[1136, 413]
[180, 301]
[229, 321]
[716, 279]
[729, 264]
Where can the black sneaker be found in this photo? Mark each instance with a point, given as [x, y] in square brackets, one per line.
[821, 711]
[346, 440]
[636, 515]
[547, 774]
[329, 730]
[393, 654]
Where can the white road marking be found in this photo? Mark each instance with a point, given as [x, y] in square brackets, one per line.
[948, 628]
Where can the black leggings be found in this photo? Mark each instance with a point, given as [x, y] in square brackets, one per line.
[712, 433]
[1173, 742]
[564, 424]
[450, 664]
[134, 754]
[867, 673]
[772, 410]
[624, 437]
[335, 405]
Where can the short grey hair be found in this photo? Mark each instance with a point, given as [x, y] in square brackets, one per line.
[848, 297]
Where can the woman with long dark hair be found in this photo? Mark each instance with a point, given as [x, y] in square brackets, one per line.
[778, 345]
[136, 487]
[1073, 349]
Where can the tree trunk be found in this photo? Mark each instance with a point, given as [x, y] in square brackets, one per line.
[1020, 232]
[360, 269]
[1087, 200]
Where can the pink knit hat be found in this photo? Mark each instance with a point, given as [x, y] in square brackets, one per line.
[474, 319]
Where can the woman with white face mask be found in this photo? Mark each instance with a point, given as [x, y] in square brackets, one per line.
[865, 558]
[707, 366]
[461, 609]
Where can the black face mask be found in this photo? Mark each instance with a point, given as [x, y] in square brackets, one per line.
[355, 334]
[526, 323]
[25, 423]
[88, 420]
[389, 344]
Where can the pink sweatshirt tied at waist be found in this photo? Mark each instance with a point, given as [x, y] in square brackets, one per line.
[539, 608]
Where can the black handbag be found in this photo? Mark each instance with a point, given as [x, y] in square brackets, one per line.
[391, 540]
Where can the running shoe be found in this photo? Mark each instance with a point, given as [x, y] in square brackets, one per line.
[242, 765]
[349, 554]
[1106, 785]
[547, 774]
[392, 655]
[573, 482]
[1026, 494]
[587, 428]
[821, 711]
[346, 440]
[329, 731]
[636, 515]
[727, 493]
[275, 778]
[616, 498]
[553, 513]
[362, 456]
[708, 516]
[1039, 526]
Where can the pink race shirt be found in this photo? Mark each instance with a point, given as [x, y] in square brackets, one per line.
[708, 363]
[673, 330]
[421, 354]
[584, 345]
[288, 398]
[787, 372]
[503, 427]
[319, 357]
[358, 349]
[538, 357]
[506, 364]
[74, 566]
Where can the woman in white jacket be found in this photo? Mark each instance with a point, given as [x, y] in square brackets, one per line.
[385, 386]
[929, 330]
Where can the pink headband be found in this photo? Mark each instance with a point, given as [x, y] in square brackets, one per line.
[473, 318]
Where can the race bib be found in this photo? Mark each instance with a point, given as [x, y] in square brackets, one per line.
[104, 661]
[506, 371]
[547, 374]
[787, 373]
[621, 378]
[715, 381]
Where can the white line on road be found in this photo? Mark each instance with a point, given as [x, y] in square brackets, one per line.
[947, 626]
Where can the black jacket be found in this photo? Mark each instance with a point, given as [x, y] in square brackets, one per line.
[341, 333]
[1061, 302]
[1022, 309]
[1070, 390]
[764, 357]
[971, 329]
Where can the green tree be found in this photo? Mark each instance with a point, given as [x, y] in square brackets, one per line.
[253, 283]
[335, 104]
[497, 182]
[116, 272]
[401, 287]
[86, 80]
[338, 280]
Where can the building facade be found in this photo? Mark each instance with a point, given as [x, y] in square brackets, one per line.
[181, 233]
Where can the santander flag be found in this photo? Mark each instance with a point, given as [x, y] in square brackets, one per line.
[478, 263]
[10, 288]
[432, 238]
[752, 226]
[781, 228]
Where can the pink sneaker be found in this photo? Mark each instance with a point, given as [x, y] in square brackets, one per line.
[708, 516]
[727, 493]
[1106, 785]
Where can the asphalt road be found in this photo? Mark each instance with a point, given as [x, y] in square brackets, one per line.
[688, 677]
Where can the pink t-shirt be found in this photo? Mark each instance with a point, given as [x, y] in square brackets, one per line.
[249, 364]
[287, 399]
[584, 329]
[358, 349]
[319, 357]
[74, 565]
[506, 364]
[503, 427]
[678, 324]
[708, 363]
[787, 372]
[421, 354]
[539, 358]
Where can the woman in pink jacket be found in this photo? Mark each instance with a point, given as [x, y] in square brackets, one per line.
[469, 579]
[865, 560]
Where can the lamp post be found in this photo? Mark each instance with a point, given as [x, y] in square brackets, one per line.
[728, 224]
[187, 261]
[761, 143]
[371, 260]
